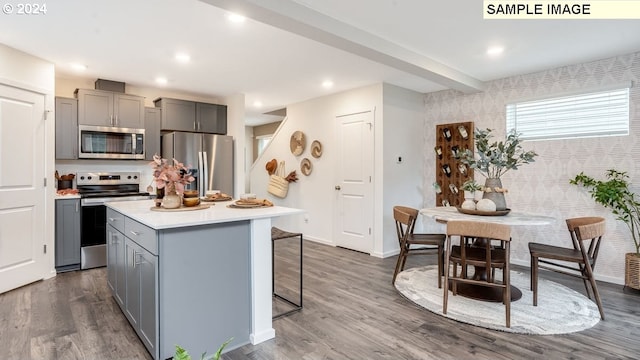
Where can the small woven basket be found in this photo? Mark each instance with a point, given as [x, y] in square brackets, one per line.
[632, 270]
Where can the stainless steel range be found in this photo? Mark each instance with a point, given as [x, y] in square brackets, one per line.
[96, 189]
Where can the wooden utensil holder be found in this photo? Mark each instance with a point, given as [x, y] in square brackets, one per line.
[450, 143]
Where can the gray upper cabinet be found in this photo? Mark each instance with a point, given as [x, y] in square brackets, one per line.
[183, 115]
[177, 115]
[66, 128]
[67, 241]
[152, 119]
[106, 108]
[211, 118]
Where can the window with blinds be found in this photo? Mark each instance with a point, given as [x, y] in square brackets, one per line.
[602, 113]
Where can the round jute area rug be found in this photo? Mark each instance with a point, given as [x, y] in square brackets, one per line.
[560, 310]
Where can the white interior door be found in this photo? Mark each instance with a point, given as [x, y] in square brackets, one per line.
[22, 192]
[353, 216]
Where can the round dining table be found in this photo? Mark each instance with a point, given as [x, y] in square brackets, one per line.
[513, 218]
[443, 214]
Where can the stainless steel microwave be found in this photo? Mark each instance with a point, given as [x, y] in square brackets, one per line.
[101, 142]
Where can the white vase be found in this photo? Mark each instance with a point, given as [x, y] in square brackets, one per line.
[171, 200]
[469, 204]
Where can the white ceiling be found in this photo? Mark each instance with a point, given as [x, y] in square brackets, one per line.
[288, 48]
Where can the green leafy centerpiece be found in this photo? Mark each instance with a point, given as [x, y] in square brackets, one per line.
[494, 159]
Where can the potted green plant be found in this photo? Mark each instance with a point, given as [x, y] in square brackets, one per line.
[614, 193]
[494, 159]
[470, 187]
[182, 354]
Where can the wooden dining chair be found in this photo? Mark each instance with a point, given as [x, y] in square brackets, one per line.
[415, 244]
[579, 261]
[489, 250]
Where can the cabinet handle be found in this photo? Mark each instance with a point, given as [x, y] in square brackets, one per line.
[137, 259]
[111, 120]
[195, 126]
[116, 119]
[135, 233]
[112, 219]
[77, 202]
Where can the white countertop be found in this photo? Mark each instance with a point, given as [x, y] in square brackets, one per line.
[447, 213]
[63, 197]
[217, 213]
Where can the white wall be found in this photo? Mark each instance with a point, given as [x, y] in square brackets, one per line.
[29, 72]
[314, 193]
[403, 126]
[398, 131]
[543, 187]
[236, 128]
[248, 156]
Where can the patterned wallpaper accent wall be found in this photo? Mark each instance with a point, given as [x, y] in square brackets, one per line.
[543, 186]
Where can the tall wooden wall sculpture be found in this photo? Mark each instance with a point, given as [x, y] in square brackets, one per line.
[451, 141]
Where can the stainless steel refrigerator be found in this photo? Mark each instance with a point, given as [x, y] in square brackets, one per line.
[209, 156]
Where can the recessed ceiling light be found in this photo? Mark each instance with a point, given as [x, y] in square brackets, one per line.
[257, 104]
[495, 50]
[327, 84]
[183, 57]
[161, 81]
[236, 18]
[78, 67]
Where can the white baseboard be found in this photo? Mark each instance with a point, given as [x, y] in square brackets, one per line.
[390, 253]
[262, 336]
[318, 240]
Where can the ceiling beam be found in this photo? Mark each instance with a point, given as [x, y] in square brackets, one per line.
[301, 20]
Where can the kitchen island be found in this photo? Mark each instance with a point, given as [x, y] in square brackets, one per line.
[192, 278]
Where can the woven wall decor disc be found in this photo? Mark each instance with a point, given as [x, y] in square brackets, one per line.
[297, 143]
[305, 166]
[316, 149]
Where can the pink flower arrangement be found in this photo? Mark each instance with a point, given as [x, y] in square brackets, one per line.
[174, 176]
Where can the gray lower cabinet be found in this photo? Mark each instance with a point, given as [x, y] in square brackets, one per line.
[152, 119]
[141, 310]
[67, 241]
[186, 286]
[66, 128]
[132, 275]
[115, 264]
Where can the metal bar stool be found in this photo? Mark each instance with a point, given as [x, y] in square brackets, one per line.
[278, 234]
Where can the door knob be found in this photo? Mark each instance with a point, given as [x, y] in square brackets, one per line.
[337, 187]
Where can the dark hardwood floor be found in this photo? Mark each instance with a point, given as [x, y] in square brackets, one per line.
[351, 311]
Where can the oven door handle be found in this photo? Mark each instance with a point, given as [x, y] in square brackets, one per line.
[91, 202]
[103, 201]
